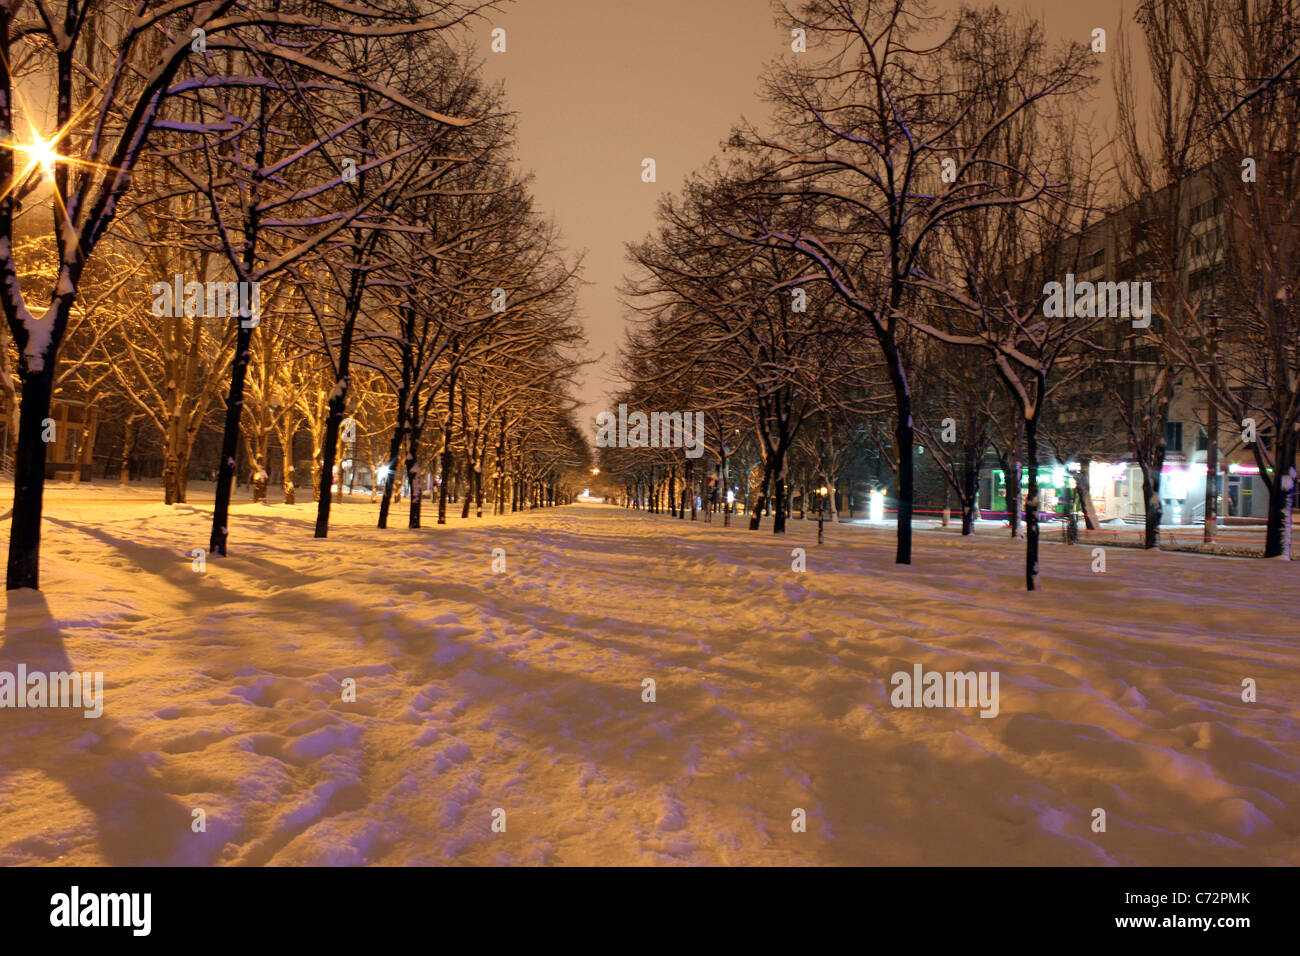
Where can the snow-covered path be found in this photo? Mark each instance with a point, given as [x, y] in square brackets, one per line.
[522, 691]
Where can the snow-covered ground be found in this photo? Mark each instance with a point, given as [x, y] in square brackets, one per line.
[522, 691]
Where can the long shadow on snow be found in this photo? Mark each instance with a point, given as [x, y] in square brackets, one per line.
[136, 822]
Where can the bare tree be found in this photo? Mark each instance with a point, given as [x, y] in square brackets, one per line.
[1240, 343]
[877, 141]
[112, 70]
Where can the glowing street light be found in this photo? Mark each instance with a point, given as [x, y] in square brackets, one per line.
[39, 152]
[42, 154]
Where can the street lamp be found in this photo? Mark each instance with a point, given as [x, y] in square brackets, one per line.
[821, 511]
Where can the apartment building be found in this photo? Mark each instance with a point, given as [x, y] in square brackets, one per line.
[1090, 432]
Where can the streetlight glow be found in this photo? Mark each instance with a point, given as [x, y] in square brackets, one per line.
[39, 152]
[42, 154]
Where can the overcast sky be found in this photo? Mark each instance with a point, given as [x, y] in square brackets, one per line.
[601, 84]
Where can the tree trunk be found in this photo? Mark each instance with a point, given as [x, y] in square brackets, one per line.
[128, 444]
[1031, 503]
[338, 402]
[315, 476]
[84, 449]
[446, 449]
[1084, 484]
[289, 479]
[469, 485]
[178, 445]
[169, 477]
[183, 473]
[501, 467]
[757, 514]
[904, 436]
[412, 470]
[29, 479]
[690, 482]
[778, 521]
[394, 449]
[726, 486]
[230, 442]
[1011, 468]
[261, 479]
[969, 494]
[1154, 507]
[1281, 500]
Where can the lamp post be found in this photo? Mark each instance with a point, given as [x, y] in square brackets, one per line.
[821, 511]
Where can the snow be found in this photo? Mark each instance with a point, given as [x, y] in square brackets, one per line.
[523, 690]
[40, 333]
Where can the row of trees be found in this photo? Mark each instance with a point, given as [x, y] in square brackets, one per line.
[868, 269]
[342, 177]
